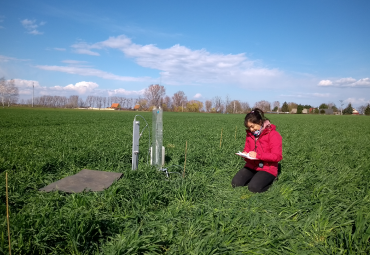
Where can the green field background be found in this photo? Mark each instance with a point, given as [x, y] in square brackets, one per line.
[319, 205]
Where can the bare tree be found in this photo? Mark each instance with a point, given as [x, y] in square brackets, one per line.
[208, 105]
[154, 93]
[73, 101]
[361, 109]
[81, 103]
[218, 104]
[263, 105]
[179, 99]
[167, 103]
[99, 101]
[143, 104]
[276, 105]
[12, 93]
[8, 92]
[3, 90]
[228, 106]
[129, 102]
[109, 101]
[245, 107]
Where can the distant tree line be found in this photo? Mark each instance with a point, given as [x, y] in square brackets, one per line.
[155, 96]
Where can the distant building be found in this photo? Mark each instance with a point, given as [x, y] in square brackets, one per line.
[355, 112]
[115, 106]
[328, 111]
[305, 111]
[294, 110]
[311, 110]
[137, 107]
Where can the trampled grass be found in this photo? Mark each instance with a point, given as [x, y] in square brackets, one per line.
[319, 205]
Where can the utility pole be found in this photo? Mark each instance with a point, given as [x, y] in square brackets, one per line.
[341, 106]
[33, 91]
[234, 107]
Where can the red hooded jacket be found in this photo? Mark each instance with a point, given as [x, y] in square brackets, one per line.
[269, 148]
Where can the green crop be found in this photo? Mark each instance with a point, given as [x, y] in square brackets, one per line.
[319, 205]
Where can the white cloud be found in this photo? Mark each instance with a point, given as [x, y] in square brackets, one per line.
[81, 88]
[321, 94]
[90, 72]
[346, 82]
[76, 63]
[125, 92]
[84, 48]
[60, 49]
[73, 62]
[357, 101]
[309, 95]
[198, 95]
[181, 65]
[325, 83]
[32, 27]
[26, 83]
[7, 59]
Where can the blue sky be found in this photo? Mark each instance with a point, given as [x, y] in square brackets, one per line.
[308, 52]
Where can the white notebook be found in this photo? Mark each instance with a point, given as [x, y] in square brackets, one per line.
[241, 154]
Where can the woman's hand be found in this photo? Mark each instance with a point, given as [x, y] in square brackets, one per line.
[253, 154]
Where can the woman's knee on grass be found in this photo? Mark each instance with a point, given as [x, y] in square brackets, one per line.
[255, 188]
[237, 182]
[242, 177]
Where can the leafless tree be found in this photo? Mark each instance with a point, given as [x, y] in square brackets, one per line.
[12, 93]
[104, 102]
[81, 103]
[208, 105]
[263, 105]
[129, 103]
[8, 92]
[143, 103]
[178, 100]
[245, 107]
[99, 101]
[361, 109]
[276, 104]
[88, 101]
[154, 93]
[73, 101]
[167, 103]
[109, 101]
[218, 104]
[228, 106]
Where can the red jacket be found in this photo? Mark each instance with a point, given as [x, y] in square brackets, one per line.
[269, 148]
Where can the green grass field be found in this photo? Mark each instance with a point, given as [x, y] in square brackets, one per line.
[319, 205]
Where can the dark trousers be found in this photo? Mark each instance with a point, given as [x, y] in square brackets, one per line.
[258, 181]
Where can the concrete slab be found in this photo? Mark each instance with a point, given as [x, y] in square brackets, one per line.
[89, 180]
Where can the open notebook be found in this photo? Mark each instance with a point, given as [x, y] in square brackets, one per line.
[241, 154]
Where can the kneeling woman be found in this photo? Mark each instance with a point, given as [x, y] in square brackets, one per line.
[264, 143]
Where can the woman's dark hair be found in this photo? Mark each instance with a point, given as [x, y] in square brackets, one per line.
[256, 116]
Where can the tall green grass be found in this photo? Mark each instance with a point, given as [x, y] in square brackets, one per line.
[319, 205]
